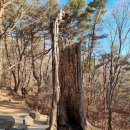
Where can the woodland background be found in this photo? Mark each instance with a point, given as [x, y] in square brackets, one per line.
[25, 54]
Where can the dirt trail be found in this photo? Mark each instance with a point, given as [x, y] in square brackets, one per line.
[18, 110]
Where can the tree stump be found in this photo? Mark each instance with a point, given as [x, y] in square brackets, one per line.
[68, 109]
[70, 112]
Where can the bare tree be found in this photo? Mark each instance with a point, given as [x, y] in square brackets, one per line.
[119, 31]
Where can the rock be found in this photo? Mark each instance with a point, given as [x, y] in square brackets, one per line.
[6, 122]
[28, 121]
[48, 120]
[90, 126]
[20, 127]
[45, 119]
[34, 114]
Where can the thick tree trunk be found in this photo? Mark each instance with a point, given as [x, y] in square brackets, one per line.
[71, 114]
[68, 110]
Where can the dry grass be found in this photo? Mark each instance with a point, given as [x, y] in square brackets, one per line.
[41, 102]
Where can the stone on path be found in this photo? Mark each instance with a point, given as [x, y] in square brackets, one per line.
[20, 127]
[28, 120]
[34, 114]
[6, 122]
[17, 111]
[45, 119]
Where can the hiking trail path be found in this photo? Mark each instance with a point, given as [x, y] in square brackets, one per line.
[18, 110]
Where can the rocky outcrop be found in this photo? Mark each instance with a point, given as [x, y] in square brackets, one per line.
[6, 122]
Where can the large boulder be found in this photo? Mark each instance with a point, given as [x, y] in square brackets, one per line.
[34, 114]
[28, 120]
[6, 122]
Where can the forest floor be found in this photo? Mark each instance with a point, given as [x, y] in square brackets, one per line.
[17, 108]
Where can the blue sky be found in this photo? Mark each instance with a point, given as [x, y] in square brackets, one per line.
[109, 4]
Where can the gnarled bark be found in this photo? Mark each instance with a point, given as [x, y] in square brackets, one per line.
[71, 114]
[68, 108]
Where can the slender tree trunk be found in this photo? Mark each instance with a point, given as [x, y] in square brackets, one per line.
[40, 87]
[16, 85]
[109, 119]
[1, 11]
[55, 66]
[109, 112]
[16, 88]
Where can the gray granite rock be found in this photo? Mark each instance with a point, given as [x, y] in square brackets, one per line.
[6, 122]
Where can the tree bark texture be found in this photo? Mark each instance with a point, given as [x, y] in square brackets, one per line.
[68, 107]
[71, 113]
